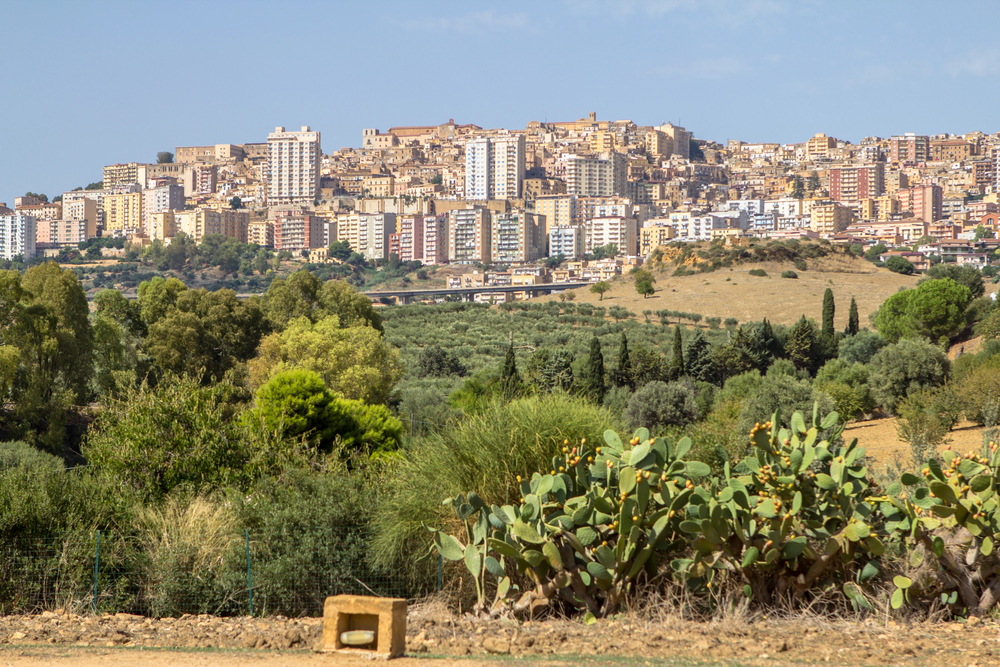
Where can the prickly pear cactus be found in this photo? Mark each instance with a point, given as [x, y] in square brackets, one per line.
[596, 522]
[948, 520]
[784, 516]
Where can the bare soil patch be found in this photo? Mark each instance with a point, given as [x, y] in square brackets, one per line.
[733, 292]
[435, 636]
[881, 442]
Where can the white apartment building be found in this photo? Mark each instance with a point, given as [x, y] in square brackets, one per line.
[494, 167]
[566, 241]
[17, 236]
[622, 232]
[293, 166]
[693, 227]
[478, 155]
[785, 207]
[603, 176]
[751, 206]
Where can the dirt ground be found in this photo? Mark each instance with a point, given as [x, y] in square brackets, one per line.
[450, 641]
[879, 438]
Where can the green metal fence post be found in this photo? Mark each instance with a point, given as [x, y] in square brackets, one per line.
[97, 563]
[249, 574]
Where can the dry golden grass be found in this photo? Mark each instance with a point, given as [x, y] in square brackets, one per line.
[733, 292]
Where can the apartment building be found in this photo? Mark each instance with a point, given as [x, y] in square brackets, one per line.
[209, 154]
[951, 150]
[922, 201]
[261, 232]
[293, 166]
[617, 230]
[162, 225]
[57, 233]
[494, 167]
[470, 236]
[830, 218]
[163, 198]
[680, 140]
[558, 211]
[366, 233]
[423, 238]
[820, 146]
[124, 174]
[297, 231]
[40, 211]
[602, 176]
[17, 236]
[514, 237]
[566, 241]
[206, 179]
[659, 144]
[650, 238]
[602, 141]
[123, 211]
[81, 209]
[852, 184]
[909, 148]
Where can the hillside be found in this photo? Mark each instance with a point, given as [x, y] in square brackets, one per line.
[733, 292]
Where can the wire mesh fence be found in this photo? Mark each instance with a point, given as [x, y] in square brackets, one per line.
[241, 574]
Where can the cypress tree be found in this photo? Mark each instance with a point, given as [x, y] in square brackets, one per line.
[623, 371]
[677, 362]
[852, 318]
[559, 373]
[595, 372]
[828, 311]
[698, 358]
[801, 346]
[510, 380]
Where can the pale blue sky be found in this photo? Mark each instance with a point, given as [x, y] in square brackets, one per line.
[93, 82]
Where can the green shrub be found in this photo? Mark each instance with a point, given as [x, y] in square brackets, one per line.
[760, 273]
[861, 347]
[660, 403]
[789, 274]
[903, 368]
[15, 454]
[780, 393]
[152, 439]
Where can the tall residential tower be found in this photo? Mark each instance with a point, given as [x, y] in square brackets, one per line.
[294, 166]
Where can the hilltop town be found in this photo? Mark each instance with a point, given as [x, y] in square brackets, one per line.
[581, 200]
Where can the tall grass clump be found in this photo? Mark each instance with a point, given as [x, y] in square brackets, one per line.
[482, 453]
[190, 544]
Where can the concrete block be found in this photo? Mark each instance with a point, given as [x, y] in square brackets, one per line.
[386, 617]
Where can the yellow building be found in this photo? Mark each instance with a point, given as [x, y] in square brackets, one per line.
[820, 146]
[162, 225]
[831, 218]
[199, 222]
[122, 211]
[601, 142]
[659, 144]
[558, 211]
[261, 232]
[652, 237]
[378, 185]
